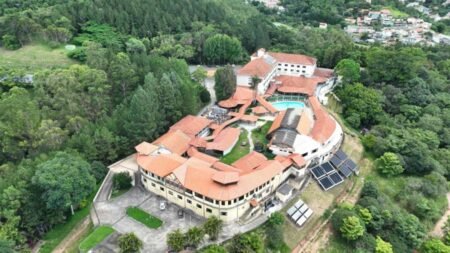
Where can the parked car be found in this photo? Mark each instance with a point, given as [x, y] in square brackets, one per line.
[162, 205]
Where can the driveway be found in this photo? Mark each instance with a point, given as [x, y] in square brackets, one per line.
[113, 212]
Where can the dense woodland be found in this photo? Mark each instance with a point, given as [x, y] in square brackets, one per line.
[60, 127]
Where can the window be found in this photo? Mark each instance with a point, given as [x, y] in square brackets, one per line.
[234, 200]
[292, 65]
[199, 206]
[198, 195]
[145, 180]
[223, 203]
[285, 69]
[208, 210]
[305, 154]
[170, 193]
[304, 67]
[229, 202]
[189, 191]
[298, 70]
[241, 197]
[179, 197]
[314, 150]
[279, 68]
[209, 200]
[285, 65]
[223, 213]
[161, 188]
[189, 201]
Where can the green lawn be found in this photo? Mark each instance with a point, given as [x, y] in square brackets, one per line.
[259, 134]
[35, 57]
[396, 13]
[144, 217]
[238, 151]
[54, 237]
[96, 237]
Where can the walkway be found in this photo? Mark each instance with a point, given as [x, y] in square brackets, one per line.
[437, 231]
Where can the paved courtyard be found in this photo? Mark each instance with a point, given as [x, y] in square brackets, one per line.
[113, 212]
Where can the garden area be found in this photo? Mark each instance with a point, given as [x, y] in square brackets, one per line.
[96, 237]
[239, 149]
[121, 184]
[144, 217]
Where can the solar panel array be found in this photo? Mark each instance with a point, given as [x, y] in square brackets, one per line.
[299, 213]
[331, 173]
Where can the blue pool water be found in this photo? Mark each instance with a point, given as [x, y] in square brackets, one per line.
[283, 105]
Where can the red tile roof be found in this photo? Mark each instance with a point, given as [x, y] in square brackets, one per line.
[259, 110]
[225, 177]
[293, 58]
[224, 140]
[250, 162]
[145, 148]
[298, 84]
[258, 67]
[161, 165]
[266, 104]
[323, 72]
[175, 141]
[277, 122]
[191, 125]
[324, 125]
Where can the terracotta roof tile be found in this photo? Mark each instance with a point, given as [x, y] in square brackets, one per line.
[258, 67]
[304, 124]
[161, 165]
[191, 125]
[259, 110]
[293, 58]
[225, 140]
[175, 141]
[277, 122]
[225, 177]
[323, 72]
[145, 148]
[266, 104]
[250, 161]
[298, 84]
[324, 125]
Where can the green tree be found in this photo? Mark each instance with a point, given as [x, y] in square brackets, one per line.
[213, 227]
[225, 82]
[352, 228]
[135, 46]
[389, 164]
[222, 49]
[255, 80]
[274, 232]
[365, 215]
[199, 75]
[122, 76]
[361, 104]
[7, 246]
[10, 42]
[250, 242]
[65, 180]
[121, 181]
[382, 246]
[215, 249]
[129, 243]
[194, 237]
[435, 246]
[349, 70]
[176, 240]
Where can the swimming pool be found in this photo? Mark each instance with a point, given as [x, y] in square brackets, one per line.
[283, 105]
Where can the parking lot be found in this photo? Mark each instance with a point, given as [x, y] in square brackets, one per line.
[113, 212]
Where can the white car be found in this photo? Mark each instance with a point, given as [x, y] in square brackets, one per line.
[162, 205]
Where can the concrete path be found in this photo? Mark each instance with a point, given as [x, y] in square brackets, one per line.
[113, 212]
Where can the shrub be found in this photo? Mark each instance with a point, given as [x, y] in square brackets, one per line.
[129, 243]
[121, 181]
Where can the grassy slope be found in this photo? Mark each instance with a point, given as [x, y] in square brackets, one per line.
[97, 236]
[396, 13]
[35, 57]
[238, 151]
[144, 217]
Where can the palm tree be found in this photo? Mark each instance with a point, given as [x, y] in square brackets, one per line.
[254, 85]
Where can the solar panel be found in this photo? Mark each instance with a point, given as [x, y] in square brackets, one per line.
[318, 172]
[299, 204]
[351, 165]
[291, 210]
[336, 178]
[336, 161]
[326, 183]
[303, 209]
[308, 213]
[341, 154]
[327, 167]
[301, 221]
[296, 215]
[345, 171]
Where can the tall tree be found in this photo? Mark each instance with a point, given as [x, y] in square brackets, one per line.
[352, 228]
[225, 82]
[222, 49]
[389, 164]
[176, 240]
[213, 227]
[64, 180]
[349, 70]
[122, 76]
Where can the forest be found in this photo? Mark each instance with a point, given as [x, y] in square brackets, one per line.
[61, 126]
